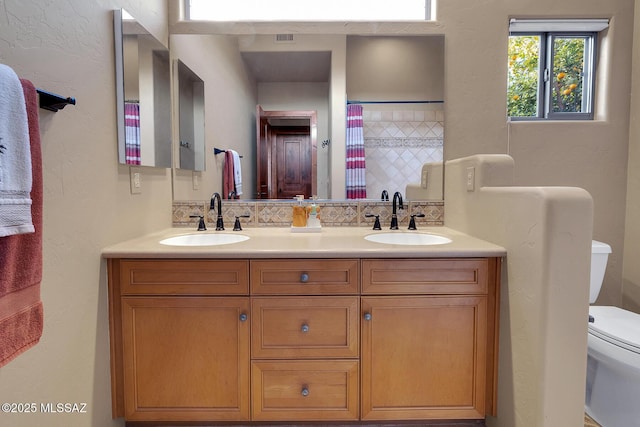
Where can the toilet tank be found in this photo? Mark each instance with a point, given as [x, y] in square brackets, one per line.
[599, 255]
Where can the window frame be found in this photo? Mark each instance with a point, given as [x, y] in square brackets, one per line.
[545, 75]
[430, 15]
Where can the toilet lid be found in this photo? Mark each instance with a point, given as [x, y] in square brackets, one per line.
[617, 326]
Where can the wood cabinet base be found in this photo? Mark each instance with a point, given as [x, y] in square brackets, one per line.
[196, 342]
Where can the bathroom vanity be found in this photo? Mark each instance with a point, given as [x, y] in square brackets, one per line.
[286, 327]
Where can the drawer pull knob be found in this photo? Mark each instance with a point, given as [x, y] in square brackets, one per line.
[305, 392]
[305, 328]
[243, 317]
[304, 277]
[367, 316]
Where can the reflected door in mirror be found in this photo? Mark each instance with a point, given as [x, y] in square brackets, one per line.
[286, 153]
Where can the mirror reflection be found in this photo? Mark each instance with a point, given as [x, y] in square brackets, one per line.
[190, 118]
[398, 81]
[143, 89]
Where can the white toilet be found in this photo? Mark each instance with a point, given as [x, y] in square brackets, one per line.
[613, 359]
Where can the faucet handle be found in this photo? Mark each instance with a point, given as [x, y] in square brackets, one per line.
[201, 224]
[236, 225]
[376, 224]
[412, 223]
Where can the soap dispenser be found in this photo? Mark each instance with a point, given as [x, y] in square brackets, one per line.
[313, 220]
[299, 213]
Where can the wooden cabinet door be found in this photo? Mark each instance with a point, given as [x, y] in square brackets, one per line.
[423, 357]
[186, 358]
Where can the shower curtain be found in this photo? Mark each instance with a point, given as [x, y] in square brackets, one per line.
[132, 132]
[355, 173]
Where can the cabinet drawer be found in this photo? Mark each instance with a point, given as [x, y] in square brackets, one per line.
[305, 390]
[305, 276]
[425, 276]
[298, 327]
[184, 277]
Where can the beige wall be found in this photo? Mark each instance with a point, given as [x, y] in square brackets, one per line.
[67, 48]
[230, 101]
[544, 301]
[631, 271]
[590, 155]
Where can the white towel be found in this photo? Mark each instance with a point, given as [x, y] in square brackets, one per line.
[15, 157]
[237, 172]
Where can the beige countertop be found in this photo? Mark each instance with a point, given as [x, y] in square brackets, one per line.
[279, 242]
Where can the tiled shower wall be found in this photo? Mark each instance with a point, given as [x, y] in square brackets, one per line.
[397, 143]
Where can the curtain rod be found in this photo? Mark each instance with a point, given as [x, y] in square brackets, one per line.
[395, 102]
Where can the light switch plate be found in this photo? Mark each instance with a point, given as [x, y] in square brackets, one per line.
[471, 179]
[135, 177]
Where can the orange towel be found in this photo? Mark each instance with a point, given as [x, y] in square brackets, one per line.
[21, 314]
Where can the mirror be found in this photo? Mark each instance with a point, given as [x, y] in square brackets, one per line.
[399, 81]
[190, 118]
[143, 94]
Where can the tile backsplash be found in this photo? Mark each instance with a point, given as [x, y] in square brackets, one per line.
[276, 213]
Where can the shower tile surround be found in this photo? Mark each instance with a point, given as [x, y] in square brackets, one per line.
[270, 213]
[397, 143]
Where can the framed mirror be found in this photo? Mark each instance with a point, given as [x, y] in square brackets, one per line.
[190, 118]
[143, 94]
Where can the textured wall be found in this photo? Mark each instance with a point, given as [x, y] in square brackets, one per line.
[66, 47]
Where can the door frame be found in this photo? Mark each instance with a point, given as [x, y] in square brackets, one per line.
[265, 149]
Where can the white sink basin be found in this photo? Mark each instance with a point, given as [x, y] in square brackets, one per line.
[401, 238]
[204, 239]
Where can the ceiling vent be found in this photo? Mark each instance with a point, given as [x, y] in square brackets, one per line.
[284, 38]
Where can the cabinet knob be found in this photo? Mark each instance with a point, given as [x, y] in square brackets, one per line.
[304, 391]
[305, 328]
[367, 316]
[243, 317]
[304, 277]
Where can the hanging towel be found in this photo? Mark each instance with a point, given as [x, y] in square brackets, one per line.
[237, 173]
[228, 176]
[132, 132]
[21, 312]
[15, 157]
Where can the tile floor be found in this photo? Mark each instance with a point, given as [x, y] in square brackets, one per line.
[588, 422]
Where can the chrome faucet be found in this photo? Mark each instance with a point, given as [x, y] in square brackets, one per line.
[212, 206]
[394, 218]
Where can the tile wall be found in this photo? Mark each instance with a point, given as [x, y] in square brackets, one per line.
[397, 143]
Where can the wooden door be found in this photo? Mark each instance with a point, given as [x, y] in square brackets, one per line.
[293, 166]
[186, 358]
[286, 154]
[423, 357]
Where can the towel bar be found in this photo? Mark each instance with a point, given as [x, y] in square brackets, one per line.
[52, 102]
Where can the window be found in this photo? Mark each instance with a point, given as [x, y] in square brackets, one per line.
[551, 69]
[295, 10]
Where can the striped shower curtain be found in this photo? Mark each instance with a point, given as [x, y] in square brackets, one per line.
[132, 132]
[355, 174]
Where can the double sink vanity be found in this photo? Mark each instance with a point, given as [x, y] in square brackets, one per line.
[266, 325]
